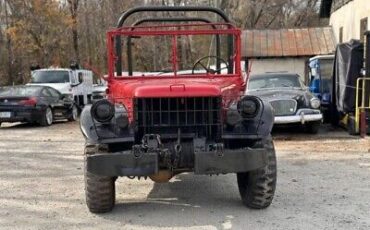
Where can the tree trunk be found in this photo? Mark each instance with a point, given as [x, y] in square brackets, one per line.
[9, 48]
[73, 7]
[88, 33]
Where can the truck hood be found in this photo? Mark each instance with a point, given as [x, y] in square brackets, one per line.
[63, 88]
[179, 87]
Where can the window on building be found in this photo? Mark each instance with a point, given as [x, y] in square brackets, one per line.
[341, 34]
[363, 28]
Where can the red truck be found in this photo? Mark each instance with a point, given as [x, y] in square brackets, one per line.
[190, 116]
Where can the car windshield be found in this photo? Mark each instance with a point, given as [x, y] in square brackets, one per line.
[60, 76]
[274, 81]
[19, 91]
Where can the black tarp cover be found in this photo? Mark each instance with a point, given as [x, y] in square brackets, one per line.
[348, 63]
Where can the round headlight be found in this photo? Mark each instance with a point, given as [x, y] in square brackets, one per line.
[121, 116]
[315, 103]
[248, 107]
[102, 111]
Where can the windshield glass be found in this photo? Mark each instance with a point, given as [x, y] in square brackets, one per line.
[195, 54]
[19, 91]
[60, 76]
[274, 81]
[326, 68]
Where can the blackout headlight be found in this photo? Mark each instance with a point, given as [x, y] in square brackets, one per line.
[315, 103]
[121, 116]
[102, 111]
[248, 107]
[233, 117]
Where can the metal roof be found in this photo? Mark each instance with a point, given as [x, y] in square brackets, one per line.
[288, 42]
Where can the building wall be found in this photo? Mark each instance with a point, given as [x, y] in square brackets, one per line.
[291, 65]
[349, 17]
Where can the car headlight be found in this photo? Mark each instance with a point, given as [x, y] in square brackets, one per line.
[69, 96]
[315, 103]
[102, 110]
[248, 107]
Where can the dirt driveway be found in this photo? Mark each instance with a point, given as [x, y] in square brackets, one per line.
[323, 183]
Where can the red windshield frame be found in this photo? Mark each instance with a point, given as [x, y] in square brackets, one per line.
[175, 30]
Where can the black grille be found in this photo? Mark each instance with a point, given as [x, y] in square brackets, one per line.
[199, 116]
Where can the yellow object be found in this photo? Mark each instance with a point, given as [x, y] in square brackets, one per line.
[162, 176]
[344, 120]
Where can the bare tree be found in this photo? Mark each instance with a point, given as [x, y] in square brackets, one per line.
[8, 45]
[73, 9]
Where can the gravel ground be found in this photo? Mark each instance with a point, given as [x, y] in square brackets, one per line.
[323, 183]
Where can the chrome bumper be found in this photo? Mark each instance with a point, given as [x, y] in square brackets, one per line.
[302, 116]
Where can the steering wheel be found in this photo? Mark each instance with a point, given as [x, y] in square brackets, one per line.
[200, 61]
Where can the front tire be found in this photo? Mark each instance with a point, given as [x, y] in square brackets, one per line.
[99, 190]
[74, 113]
[257, 187]
[313, 127]
[47, 117]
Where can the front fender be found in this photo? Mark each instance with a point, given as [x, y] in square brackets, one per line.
[266, 121]
[259, 126]
[105, 133]
[87, 126]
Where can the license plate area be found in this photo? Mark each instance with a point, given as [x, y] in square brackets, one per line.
[5, 114]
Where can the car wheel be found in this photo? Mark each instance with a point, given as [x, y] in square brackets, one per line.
[74, 113]
[257, 187]
[47, 118]
[313, 127]
[99, 190]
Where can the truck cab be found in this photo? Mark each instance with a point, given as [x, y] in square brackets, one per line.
[76, 84]
[320, 80]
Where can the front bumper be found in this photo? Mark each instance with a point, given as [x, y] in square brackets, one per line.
[302, 116]
[128, 163]
[22, 114]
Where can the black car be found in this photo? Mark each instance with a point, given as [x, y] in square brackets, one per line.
[35, 104]
[291, 100]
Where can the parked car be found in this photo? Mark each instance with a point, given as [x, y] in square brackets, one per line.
[290, 98]
[35, 104]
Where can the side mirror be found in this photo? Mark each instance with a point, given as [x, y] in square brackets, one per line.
[80, 78]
